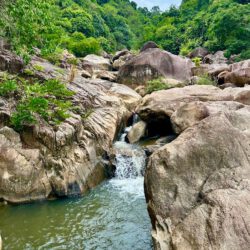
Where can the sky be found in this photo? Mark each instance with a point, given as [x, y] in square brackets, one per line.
[163, 4]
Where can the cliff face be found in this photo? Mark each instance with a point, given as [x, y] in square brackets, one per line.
[45, 160]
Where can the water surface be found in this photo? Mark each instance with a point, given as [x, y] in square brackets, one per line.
[113, 216]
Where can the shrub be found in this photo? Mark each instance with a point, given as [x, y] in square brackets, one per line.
[55, 57]
[48, 100]
[197, 61]
[22, 117]
[38, 67]
[8, 87]
[155, 85]
[85, 47]
[55, 88]
[205, 80]
[29, 72]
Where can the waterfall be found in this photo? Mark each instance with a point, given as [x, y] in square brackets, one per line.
[130, 161]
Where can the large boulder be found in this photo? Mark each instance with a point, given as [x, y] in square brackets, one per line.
[197, 187]
[166, 102]
[137, 132]
[217, 58]
[154, 63]
[44, 70]
[240, 65]
[237, 73]
[188, 115]
[197, 184]
[239, 77]
[105, 75]
[23, 176]
[120, 58]
[198, 52]
[96, 63]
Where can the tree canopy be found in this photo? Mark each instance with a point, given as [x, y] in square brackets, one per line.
[89, 26]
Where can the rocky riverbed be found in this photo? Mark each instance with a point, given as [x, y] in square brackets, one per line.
[197, 180]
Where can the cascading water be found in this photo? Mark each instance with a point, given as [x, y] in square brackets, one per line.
[130, 165]
[111, 217]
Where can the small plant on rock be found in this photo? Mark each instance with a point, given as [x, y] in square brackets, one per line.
[197, 61]
[205, 79]
[8, 87]
[156, 85]
[38, 67]
[48, 100]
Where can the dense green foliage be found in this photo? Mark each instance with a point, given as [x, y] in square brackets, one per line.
[89, 26]
[49, 100]
[216, 25]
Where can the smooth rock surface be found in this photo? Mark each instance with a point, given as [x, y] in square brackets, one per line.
[154, 63]
[166, 102]
[198, 52]
[197, 187]
[239, 77]
[216, 58]
[96, 62]
[137, 132]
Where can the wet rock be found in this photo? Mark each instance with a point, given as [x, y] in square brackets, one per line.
[137, 132]
[154, 63]
[199, 52]
[10, 62]
[149, 45]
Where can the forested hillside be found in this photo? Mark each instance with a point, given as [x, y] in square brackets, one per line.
[90, 26]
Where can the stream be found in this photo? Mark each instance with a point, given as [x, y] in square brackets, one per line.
[112, 216]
